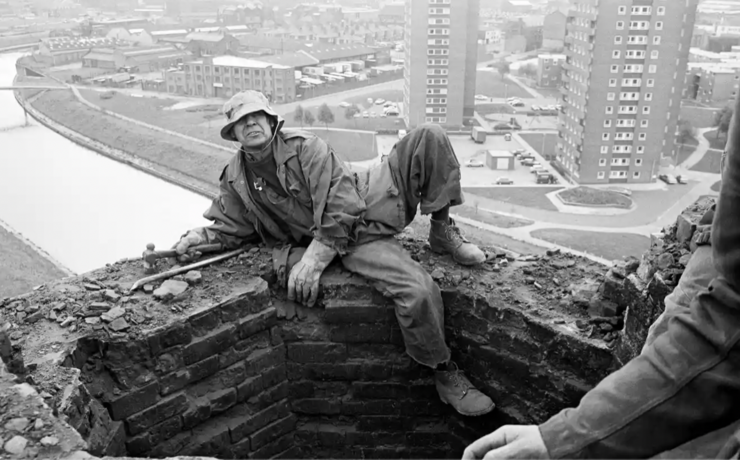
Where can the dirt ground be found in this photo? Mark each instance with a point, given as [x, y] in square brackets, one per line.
[22, 268]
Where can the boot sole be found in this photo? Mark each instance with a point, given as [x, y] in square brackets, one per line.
[474, 414]
[442, 252]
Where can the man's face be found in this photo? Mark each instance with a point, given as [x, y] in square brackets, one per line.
[253, 131]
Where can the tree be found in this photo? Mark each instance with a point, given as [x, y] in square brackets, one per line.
[308, 118]
[298, 115]
[503, 68]
[722, 120]
[326, 116]
[351, 111]
[528, 70]
[686, 132]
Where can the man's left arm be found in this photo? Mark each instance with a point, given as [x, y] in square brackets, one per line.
[337, 205]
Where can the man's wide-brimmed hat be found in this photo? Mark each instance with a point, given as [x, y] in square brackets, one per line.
[242, 104]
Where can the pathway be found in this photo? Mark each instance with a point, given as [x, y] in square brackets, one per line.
[701, 149]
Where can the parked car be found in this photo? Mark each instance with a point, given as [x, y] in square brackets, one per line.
[365, 115]
[668, 179]
[344, 104]
[370, 100]
[546, 178]
[517, 152]
[526, 157]
[528, 162]
[379, 101]
[389, 104]
[682, 179]
[480, 97]
[535, 107]
[536, 167]
[504, 181]
[473, 163]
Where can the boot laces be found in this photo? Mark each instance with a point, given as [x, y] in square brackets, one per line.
[453, 234]
[459, 380]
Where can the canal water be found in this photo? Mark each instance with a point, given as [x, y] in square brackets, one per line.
[82, 208]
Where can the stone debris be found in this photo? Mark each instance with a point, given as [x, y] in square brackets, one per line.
[17, 424]
[99, 306]
[111, 296]
[91, 287]
[16, 445]
[50, 440]
[170, 289]
[119, 324]
[148, 288]
[112, 314]
[193, 277]
[38, 424]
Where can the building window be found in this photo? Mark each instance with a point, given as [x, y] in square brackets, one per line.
[616, 54]
[648, 96]
[605, 136]
[612, 82]
[614, 68]
[607, 123]
[643, 123]
[640, 149]
[659, 25]
[646, 109]
[609, 96]
[650, 82]
[622, 10]
[604, 149]
[617, 174]
[652, 68]
[661, 10]
[600, 175]
[620, 25]
[609, 109]
[618, 40]
[638, 162]
[602, 162]
[642, 136]
[656, 40]
[654, 54]
[636, 174]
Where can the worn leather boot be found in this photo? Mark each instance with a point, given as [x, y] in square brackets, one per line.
[447, 239]
[456, 390]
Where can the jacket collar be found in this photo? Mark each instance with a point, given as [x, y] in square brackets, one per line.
[280, 150]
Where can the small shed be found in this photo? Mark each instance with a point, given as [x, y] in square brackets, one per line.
[499, 160]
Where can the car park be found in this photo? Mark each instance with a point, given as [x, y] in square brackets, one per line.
[504, 181]
[473, 163]
[528, 162]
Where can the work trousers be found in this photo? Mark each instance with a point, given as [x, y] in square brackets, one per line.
[426, 175]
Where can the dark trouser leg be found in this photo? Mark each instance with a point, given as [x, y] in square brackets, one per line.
[419, 307]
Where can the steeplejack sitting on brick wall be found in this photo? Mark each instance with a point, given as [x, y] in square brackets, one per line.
[289, 189]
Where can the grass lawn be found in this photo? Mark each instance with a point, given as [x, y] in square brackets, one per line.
[535, 140]
[350, 145]
[490, 217]
[22, 268]
[714, 141]
[610, 246]
[715, 186]
[482, 238]
[549, 92]
[698, 117]
[493, 108]
[588, 196]
[365, 124]
[490, 84]
[684, 152]
[532, 197]
[709, 162]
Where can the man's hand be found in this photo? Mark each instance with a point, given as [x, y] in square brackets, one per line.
[702, 236]
[510, 441]
[192, 238]
[303, 282]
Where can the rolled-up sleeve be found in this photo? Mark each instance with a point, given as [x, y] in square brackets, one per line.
[337, 204]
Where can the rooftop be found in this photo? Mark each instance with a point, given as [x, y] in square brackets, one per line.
[235, 61]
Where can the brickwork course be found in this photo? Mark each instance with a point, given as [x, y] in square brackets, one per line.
[228, 368]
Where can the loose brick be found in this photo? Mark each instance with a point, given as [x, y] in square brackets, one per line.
[361, 333]
[273, 431]
[340, 311]
[275, 447]
[316, 406]
[268, 397]
[172, 335]
[243, 348]
[221, 400]
[259, 360]
[179, 379]
[210, 345]
[166, 408]
[276, 335]
[233, 375]
[243, 422]
[377, 390]
[252, 297]
[317, 352]
[258, 322]
[274, 376]
[134, 401]
[204, 322]
[249, 388]
[169, 361]
[198, 412]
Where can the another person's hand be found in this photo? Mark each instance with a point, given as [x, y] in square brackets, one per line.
[192, 238]
[510, 441]
[303, 282]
